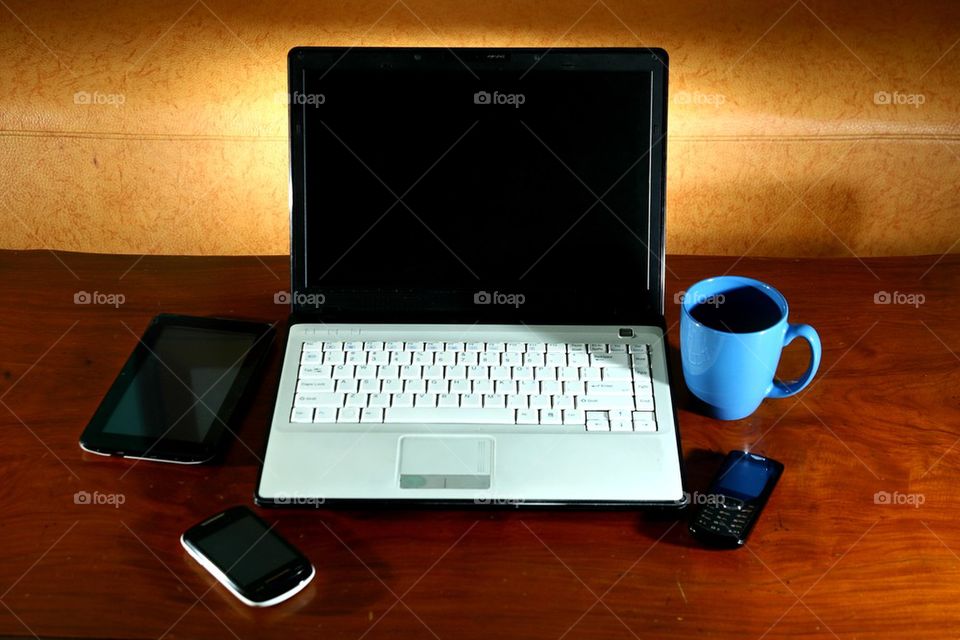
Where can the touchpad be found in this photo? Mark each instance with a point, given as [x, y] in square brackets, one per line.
[444, 462]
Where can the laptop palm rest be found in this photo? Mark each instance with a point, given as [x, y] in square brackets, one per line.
[445, 462]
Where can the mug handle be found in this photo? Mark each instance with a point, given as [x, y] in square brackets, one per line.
[808, 333]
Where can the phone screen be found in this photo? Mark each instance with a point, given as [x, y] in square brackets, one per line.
[179, 388]
[744, 476]
[246, 550]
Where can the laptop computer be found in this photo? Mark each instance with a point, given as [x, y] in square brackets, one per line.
[477, 256]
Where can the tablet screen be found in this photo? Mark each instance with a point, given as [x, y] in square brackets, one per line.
[180, 386]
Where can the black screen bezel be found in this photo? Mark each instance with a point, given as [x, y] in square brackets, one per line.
[374, 305]
[95, 439]
[257, 590]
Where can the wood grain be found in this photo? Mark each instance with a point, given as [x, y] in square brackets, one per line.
[825, 561]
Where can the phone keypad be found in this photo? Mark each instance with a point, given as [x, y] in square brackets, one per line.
[726, 521]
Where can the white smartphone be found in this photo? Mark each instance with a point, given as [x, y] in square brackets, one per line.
[247, 557]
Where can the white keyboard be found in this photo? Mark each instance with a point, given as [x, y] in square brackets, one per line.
[580, 387]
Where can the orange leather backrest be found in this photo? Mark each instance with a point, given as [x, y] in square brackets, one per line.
[796, 127]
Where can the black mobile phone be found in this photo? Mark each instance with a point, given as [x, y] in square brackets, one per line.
[725, 515]
[248, 557]
[180, 388]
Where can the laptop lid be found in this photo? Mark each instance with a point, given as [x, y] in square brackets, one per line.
[478, 185]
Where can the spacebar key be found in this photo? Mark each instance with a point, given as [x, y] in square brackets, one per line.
[449, 415]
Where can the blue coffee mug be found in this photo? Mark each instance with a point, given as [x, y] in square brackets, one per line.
[732, 332]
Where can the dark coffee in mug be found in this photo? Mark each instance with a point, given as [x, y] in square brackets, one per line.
[738, 310]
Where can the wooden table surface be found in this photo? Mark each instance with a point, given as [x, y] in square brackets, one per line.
[860, 540]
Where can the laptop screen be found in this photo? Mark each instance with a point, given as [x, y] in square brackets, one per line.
[490, 192]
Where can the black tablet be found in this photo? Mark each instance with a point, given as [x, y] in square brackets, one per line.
[179, 390]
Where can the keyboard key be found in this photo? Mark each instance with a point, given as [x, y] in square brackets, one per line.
[516, 347]
[373, 346]
[616, 388]
[425, 400]
[539, 402]
[423, 358]
[371, 415]
[302, 414]
[617, 348]
[347, 386]
[483, 386]
[489, 359]
[313, 346]
[573, 416]
[528, 416]
[378, 358]
[610, 360]
[313, 371]
[402, 400]
[356, 357]
[598, 425]
[458, 372]
[643, 421]
[393, 346]
[644, 404]
[415, 386]
[551, 416]
[450, 416]
[401, 358]
[313, 386]
[348, 414]
[356, 400]
[455, 347]
[494, 401]
[325, 415]
[311, 357]
[461, 386]
[411, 372]
[616, 373]
[391, 386]
[605, 402]
[563, 402]
[333, 346]
[446, 400]
[378, 400]
[555, 360]
[334, 357]
[445, 358]
[365, 372]
[517, 402]
[471, 400]
[438, 386]
[621, 425]
[389, 372]
[343, 372]
[370, 386]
